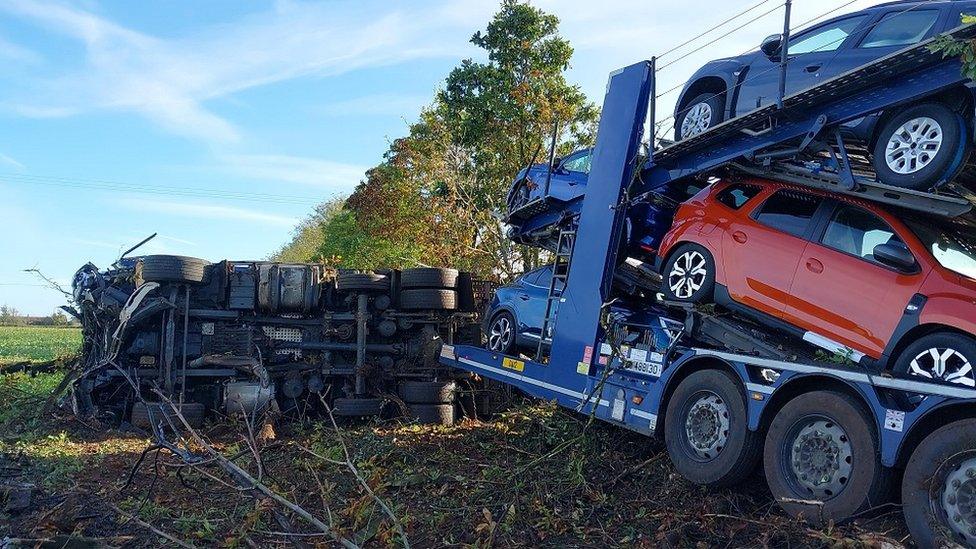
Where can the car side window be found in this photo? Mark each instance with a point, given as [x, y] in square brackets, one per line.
[580, 163]
[737, 195]
[900, 28]
[829, 37]
[789, 211]
[856, 231]
[538, 277]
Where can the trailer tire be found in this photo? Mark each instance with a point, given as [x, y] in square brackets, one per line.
[437, 300]
[822, 447]
[428, 278]
[173, 268]
[935, 483]
[679, 285]
[433, 414]
[427, 392]
[141, 411]
[924, 171]
[354, 281]
[707, 433]
[357, 407]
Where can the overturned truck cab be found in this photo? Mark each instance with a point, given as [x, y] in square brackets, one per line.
[240, 336]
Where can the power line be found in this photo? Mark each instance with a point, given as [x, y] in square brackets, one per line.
[714, 28]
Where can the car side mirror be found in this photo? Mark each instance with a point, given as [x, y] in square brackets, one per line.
[556, 161]
[895, 255]
[772, 46]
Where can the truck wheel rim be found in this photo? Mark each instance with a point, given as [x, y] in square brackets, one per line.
[958, 498]
[696, 120]
[687, 274]
[944, 364]
[500, 334]
[913, 145]
[707, 426]
[820, 458]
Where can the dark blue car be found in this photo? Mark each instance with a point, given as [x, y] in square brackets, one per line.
[648, 218]
[514, 316]
[912, 146]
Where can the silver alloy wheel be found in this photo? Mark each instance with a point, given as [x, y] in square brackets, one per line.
[913, 145]
[821, 458]
[707, 425]
[500, 334]
[945, 364]
[687, 274]
[958, 500]
[696, 120]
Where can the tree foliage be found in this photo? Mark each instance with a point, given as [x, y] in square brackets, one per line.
[436, 197]
[965, 50]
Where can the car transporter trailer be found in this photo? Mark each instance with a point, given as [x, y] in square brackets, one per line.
[832, 436]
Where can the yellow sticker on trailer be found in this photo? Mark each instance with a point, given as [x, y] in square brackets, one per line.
[513, 364]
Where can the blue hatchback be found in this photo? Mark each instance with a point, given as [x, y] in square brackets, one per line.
[514, 316]
[913, 146]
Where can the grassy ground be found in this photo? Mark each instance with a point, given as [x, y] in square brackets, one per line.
[37, 343]
[534, 476]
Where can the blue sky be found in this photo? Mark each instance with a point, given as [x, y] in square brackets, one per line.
[219, 124]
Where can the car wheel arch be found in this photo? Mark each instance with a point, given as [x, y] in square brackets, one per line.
[959, 99]
[716, 256]
[916, 333]
[705, 84]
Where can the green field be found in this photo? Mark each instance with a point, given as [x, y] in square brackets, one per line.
[37, 344]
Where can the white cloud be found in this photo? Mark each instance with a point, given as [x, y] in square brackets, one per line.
[207, 211]
[168, 81]
[380, 104]
[294, 169]
[10, 161]
[15, 52]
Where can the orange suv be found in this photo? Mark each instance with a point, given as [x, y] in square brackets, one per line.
[883, 286]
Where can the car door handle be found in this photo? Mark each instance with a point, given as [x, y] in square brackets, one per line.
[813, 68]
[815, 266]
[739, 237]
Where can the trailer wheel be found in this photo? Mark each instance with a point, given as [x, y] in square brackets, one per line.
[433, 414]
[354, 281]
[821, 458]
[427, 392]
[706, 430]
[428, 278]
[938, 490]
[438, 300]
[689, 274]
[173, 268]
[358, 407]
[917, 146]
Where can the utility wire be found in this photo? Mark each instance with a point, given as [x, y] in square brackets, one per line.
[710, 30]
[714, 40]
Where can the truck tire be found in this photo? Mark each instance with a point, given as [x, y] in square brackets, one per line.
[433, 414]
[173, 268]
[920, 146]
[428, 392]
[428, 278]
[822, 447]
[706, 430]
[436, 300]
[141, 412]
[355, 281]
[689, 274]
[703, 112]
[937, 489]
[357, 407]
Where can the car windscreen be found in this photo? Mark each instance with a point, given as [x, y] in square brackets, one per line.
[952, 245]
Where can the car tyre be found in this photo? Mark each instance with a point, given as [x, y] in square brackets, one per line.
[943, 356]
[689, 275]
[936, 486]
[920, 147]
[822, 447]
[502, 333]
[701, 113]
[706, 430]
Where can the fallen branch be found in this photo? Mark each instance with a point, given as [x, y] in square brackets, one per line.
[153, 529]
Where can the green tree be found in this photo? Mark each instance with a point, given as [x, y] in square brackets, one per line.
[306, 238]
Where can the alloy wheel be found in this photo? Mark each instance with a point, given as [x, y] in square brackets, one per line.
[500, 334]
[913, 145]
[696, 120]
[687, 274]
[945, 364]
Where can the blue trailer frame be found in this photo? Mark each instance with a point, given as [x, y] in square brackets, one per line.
[581, 375]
